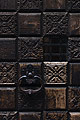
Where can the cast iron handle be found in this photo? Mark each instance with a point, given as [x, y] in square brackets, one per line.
[30, 91]
[4, 118]
[29, 81]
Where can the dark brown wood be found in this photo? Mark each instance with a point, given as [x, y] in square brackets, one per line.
[8, 73]
[30, 115]
[49, 115]
[74, 48]
[55, 98]
[7, 48]
[31, 5]
[55, 72]
[7, 98]
[30, 48]
[55, 23]
[29, 23]
[32, 101]
[55, 48]
[36, 68]
[8, 115]
[8, 23]
[73, 98]
[7, 4]
[74, 24]
[39, 59]
[73, 4]
[54, 4]
[75, 73]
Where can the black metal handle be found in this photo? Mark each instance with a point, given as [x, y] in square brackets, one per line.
[24, 79]
[30, 91]
[29, 78]
[5, 118]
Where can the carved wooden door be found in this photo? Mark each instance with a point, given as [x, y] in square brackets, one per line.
[39, 59]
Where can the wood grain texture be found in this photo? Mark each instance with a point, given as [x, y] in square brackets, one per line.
[7, 98]
[7, 4]
[75, 73]
[29, 23]
[55, 98]
[74, 115]
[7, 48]
[74, 24]
[30, 115]
[54, 4]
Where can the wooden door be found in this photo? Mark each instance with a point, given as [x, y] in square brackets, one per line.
[39, 60]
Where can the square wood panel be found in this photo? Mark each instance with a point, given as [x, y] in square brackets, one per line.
[29, 23]
[74, 24]
[30, 115]
[74, 74]
[51, 4]
[7, 98]
[8, 4]
[7, 48]
[55, 98]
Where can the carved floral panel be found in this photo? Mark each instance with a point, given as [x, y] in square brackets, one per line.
[55, 72]
[8, 24]
[8, 73]
[74, 48]
[8, 115]
[49, 115]
[73, 4]
[30, 48]
[55, 23]
[74, 98]
[31, 4]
